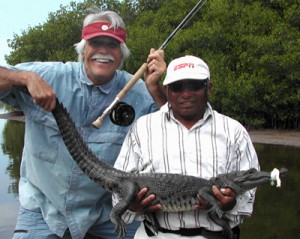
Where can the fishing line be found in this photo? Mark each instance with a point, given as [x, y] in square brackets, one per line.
[183, 23]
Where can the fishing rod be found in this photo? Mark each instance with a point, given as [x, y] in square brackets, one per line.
[140, 73]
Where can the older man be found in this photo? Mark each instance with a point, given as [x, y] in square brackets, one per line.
[57, 199]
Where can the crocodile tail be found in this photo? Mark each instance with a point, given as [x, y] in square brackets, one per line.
[87, 161]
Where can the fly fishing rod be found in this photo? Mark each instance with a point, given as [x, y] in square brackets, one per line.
[144, 67]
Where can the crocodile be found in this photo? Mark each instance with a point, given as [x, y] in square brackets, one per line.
[175, 192]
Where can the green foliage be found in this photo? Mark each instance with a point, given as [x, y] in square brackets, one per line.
[252, 48]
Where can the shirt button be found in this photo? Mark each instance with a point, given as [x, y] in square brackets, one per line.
[76, 171]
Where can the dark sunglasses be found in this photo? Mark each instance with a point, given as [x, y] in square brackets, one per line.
[191, 85]
[111, 43]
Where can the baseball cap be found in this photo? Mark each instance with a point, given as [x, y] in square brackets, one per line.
[103, 29]
[186, 67]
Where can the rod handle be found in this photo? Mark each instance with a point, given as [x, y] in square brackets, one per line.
[132, 81]
[98, 122]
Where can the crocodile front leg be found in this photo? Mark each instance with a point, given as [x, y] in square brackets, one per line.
[153, 221]
[128, 191]
[215, 213]
[223, 222]
[206, 194]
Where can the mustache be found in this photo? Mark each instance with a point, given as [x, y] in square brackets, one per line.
[99, 56]
[186, 99]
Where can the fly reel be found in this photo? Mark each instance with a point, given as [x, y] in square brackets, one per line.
[122, 114]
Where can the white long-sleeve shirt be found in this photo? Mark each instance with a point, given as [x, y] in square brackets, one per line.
[214, 145]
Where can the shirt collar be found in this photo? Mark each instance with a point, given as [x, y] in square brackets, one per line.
[107, 87]
[208, 112]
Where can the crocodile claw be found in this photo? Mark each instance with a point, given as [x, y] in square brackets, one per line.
[216, 210]
[120, 229]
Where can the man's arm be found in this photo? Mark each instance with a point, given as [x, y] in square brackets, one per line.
[41, 92]
[8, 78]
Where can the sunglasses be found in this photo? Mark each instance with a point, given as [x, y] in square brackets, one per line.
[191, 85]
[111, 43]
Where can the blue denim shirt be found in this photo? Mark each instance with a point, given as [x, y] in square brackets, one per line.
[50, 180]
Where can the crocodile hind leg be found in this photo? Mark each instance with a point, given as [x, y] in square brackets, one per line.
[127, 195]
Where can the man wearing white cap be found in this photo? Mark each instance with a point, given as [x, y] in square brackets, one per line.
[187, 136]
[57, 199]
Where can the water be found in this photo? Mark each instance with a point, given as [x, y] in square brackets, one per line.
[10, 154]
[276, 210]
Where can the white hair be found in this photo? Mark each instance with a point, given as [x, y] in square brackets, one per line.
[97, 15]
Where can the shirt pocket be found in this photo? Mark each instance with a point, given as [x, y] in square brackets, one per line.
[106, 145]
[42, 136]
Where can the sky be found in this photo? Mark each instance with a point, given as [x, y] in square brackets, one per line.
[19, 15]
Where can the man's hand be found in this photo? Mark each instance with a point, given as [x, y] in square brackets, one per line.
[156, 67]
[142, 204]
[226, 198]
[41, 92]
[202, 203]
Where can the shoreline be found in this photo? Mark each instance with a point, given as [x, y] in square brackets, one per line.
[263, 136]
[276, 137]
